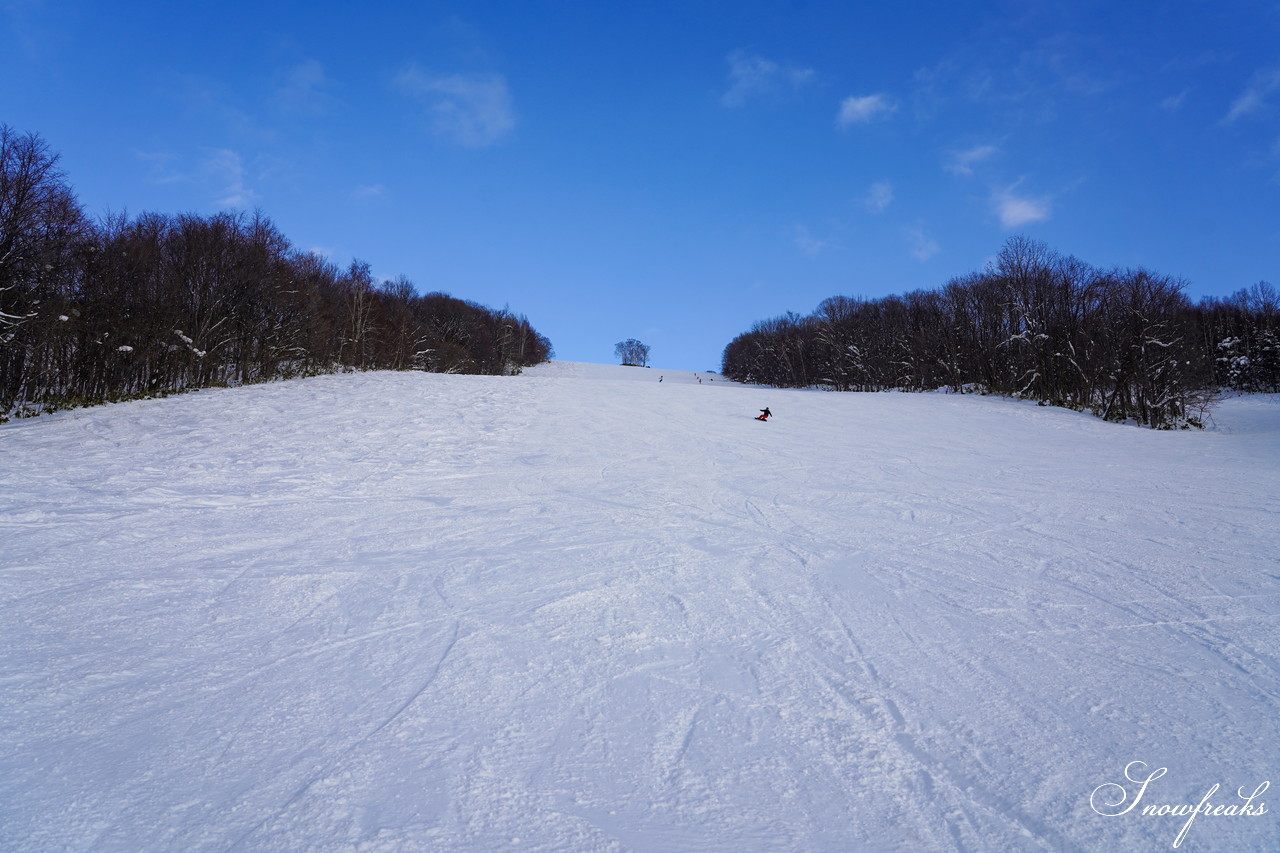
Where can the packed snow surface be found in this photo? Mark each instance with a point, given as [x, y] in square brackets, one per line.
[582, 609]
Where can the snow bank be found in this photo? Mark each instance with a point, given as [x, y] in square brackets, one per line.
[580, 609]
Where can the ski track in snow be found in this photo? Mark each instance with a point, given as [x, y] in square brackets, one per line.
[583, 610]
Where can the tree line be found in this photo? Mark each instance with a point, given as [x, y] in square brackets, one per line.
[92, 311]
[1124, 344]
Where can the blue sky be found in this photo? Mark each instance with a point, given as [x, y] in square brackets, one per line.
[676, 171]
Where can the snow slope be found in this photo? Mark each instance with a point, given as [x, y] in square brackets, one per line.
[580, 609]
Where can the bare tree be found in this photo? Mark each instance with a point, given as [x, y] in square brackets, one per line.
[41, 228]
[632, 352]
[1126, 344]
[158, 303]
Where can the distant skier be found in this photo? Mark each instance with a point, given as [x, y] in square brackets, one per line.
[659, 378]
[764, 414]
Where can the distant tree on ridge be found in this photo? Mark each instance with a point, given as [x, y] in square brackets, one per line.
[631, 352]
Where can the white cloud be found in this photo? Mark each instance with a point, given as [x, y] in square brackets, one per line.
[214, 100]
[1015, 210]
[855, 110]
[220, 172]
[809, 245]
[962, 162]
[471, 110]
[879, 196]
[1173, 103]
[304, 89]
[224, 168]
[1254, 98]
[368, 192]
[755, 76]
[922, 246]
[163, 167]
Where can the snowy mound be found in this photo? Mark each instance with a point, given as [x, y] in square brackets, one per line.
[581, 609]
[607, 372]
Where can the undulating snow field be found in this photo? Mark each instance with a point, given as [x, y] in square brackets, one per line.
[580, 609]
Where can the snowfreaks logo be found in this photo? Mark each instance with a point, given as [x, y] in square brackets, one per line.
[1110, 799]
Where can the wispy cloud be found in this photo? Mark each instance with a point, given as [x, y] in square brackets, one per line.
[213, 99]
[470, 110]
[1015, 209]
[1173, 103]
[962, 162]
[368, 192]
[864, 109]
[224, 170]
[879, 196]
[305, 88]
[1254, 98]
[754, 76]
[921, 245]
[1197, 62]
[162, 166]
[809, 245]
[220, 172]
[1018, 72]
